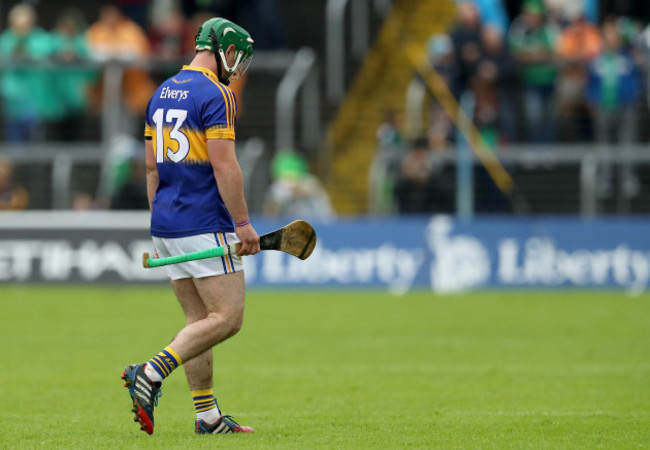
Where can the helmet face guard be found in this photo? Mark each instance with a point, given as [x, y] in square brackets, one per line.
[217, 35]
[240, 67]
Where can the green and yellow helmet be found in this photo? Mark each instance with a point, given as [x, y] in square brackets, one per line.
[216, 35]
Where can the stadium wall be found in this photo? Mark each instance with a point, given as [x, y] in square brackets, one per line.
[437, 253]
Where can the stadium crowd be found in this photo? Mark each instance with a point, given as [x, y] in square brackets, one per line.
[51, 80]
[54, 72]
[558, 72]
[533, 71]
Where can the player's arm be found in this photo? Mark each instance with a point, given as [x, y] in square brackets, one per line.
[231, 187]
[152, 171]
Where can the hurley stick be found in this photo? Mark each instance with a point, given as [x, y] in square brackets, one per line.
[297, 239]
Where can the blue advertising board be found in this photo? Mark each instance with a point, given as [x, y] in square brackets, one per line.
[446, 255]
[435, 253]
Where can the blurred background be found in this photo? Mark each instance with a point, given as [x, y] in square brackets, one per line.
[489, 133]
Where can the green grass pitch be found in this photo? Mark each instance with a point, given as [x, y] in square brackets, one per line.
[336, 369]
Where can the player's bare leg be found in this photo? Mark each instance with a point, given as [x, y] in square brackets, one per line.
[222, 296]
[198, 370]
[211, 295]
[209, 302]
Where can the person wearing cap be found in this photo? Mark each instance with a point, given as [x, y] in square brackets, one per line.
[295, 192]
[196, 196]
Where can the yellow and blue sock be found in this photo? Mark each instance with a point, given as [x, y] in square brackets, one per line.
[160, 366]
[206, 405]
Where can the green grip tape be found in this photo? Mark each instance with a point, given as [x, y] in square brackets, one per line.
[203, 254]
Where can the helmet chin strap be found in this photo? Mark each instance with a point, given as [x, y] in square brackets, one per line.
[215, 44]
[219, 70]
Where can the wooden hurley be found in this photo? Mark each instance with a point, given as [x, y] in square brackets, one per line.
[297, 239]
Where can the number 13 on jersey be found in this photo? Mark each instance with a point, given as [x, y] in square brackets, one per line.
[174, 120]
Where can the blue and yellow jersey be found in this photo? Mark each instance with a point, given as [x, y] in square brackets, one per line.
[186, 111]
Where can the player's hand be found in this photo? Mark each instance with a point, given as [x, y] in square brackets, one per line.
[250, 241]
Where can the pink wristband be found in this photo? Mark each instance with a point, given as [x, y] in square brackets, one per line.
[242, 224]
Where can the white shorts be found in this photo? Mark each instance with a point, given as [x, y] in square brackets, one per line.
[203, 267]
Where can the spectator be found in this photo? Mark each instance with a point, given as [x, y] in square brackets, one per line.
[72, 85]
[532, 43]
[417, 190]
[25, 90]
[69, 41]
[441, 57]
[577, 46]
[486, 106]
[12, 195]
[295, 192]
[630, 31]
[496, 76]
[466, 43]
[614, 88]
[115, 37]
[613, 91]
[172, 37]
[83, 201]
[132, 194]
